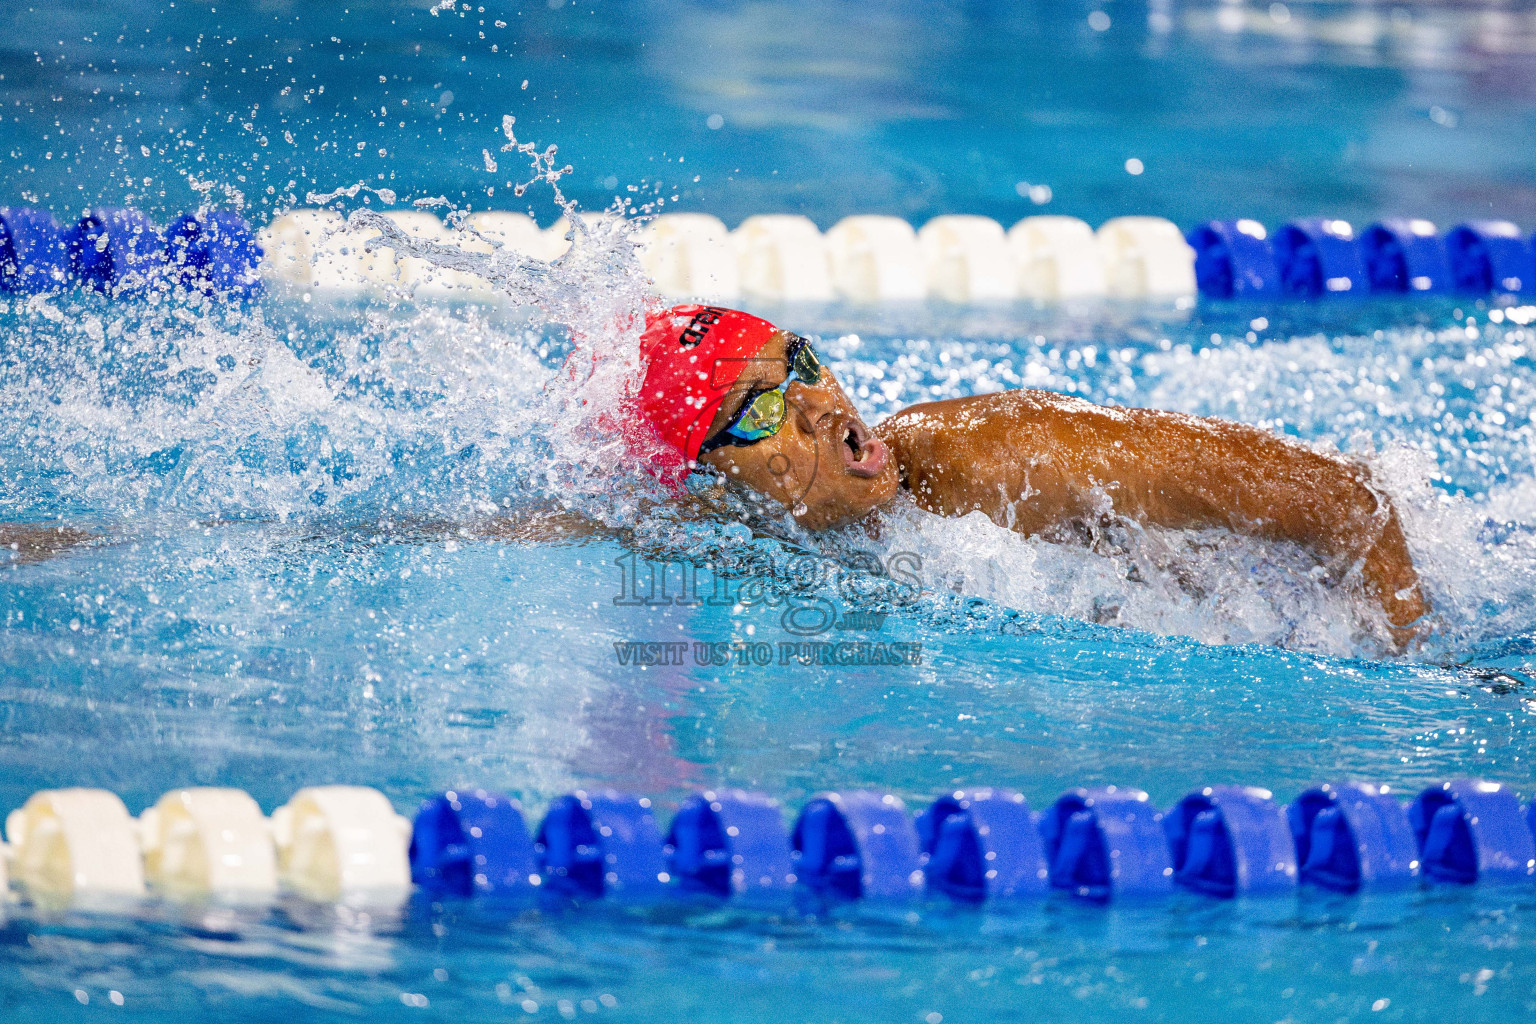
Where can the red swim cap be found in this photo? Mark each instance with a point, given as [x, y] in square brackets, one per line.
[693, 355]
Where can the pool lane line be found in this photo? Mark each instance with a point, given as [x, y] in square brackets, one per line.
[865, 259]
[1102, 844]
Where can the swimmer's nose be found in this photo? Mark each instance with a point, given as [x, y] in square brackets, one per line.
[812, 405]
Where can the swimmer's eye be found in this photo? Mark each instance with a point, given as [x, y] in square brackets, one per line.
[763, 413]
[803, 362]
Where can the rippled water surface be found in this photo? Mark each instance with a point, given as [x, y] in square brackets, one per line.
[385, 543]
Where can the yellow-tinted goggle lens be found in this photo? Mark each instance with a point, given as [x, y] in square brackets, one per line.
[764, 416]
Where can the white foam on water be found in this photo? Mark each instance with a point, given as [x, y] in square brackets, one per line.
[223, 418]
[1209, 585]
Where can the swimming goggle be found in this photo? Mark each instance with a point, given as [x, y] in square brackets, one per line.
[764, 411]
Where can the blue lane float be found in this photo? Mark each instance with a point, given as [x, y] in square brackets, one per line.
[1472, 831]
[1319, 256]
[472, 843]
[34, 254]
[1233, 260]
[976, 846]
[983, 844]
[1231, 840]
[115, 250]
[1351, 836]
[731, 844]
[860, 844]
[1404, 256]
[122, 252]
[986, 846]
[1490, 256]
[603, 844]
[1107, 843]
[213, 252]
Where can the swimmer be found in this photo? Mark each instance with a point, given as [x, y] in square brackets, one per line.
[732, 392]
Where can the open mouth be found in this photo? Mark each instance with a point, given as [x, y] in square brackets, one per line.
[862, 455]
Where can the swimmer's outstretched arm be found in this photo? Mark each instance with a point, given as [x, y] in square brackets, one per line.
[1036, 460]
[559, 525]
[21, 544]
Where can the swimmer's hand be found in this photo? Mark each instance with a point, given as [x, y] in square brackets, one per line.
[1036, 461]
[1390, 579]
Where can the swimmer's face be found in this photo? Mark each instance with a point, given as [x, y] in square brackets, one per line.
[823, 464]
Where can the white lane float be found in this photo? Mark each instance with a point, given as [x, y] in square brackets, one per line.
[1146, 258]
[690, 256]
[518, 232]
[557, 237]
[782, 258]
[771, 257]
[876, 259]
[968, 259]
[315, 250]
[498, 230]
[419, 276]
[1056, 258]
[208, 841]
[291, 245]
[75, 842]
[342, 842]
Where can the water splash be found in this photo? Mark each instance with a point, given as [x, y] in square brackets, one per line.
[284, 410]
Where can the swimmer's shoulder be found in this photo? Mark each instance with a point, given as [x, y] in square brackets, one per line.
[952, 417]
[971, 439]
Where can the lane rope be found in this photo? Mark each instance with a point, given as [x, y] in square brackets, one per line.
[972, 846]
[958, 259]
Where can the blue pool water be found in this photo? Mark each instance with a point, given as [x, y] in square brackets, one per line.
[323, 548]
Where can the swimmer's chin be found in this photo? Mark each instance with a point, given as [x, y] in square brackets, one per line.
[831, 515]
[847, 499]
